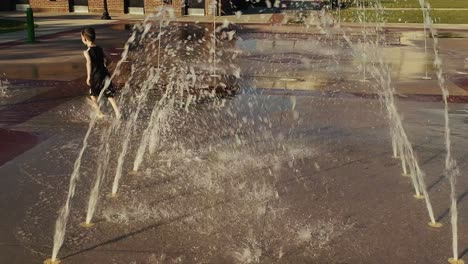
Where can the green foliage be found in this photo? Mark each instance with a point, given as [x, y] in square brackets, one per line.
[433, 3]
[413, 3]
[404, 16]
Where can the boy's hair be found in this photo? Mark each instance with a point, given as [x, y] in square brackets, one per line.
[89, 33]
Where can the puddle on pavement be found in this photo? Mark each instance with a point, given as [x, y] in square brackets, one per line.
[407, 62]
[293, 83]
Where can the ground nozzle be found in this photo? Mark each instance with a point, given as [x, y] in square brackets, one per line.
[112, 195]
[405, 175]
[456, 261]
[134, 173]
[50, 261]
[418, 196]
[86, 225]
[435, 224]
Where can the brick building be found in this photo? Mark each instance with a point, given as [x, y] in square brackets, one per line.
[181, 7]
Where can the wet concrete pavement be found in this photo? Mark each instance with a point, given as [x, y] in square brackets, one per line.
[340, 197]
[342, 157]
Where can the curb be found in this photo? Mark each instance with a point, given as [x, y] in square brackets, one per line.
[22, 41]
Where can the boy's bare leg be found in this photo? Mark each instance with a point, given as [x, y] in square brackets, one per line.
[114, 105]
[95, 106]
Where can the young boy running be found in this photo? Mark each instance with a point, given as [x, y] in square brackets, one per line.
[97, 72]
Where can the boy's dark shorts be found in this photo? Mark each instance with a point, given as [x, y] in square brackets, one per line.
[96, 88]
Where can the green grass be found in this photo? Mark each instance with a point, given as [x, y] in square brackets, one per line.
[433, 3]
[11, 25]
[407, 16]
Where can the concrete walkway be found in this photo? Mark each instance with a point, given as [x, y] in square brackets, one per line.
[53, 23]
[50, 24]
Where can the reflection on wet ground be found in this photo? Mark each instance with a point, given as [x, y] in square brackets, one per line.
[324, 63]
[280, 62]
[307, 56]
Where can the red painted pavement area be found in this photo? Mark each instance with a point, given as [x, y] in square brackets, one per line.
[14, 143]
[461, 82]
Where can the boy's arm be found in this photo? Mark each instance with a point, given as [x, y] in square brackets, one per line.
[88, 67]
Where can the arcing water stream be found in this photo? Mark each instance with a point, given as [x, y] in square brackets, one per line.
[401, 145]
[4, 83]
[451, 168]
[61, 224]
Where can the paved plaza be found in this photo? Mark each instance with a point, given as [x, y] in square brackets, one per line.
[296, 167]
